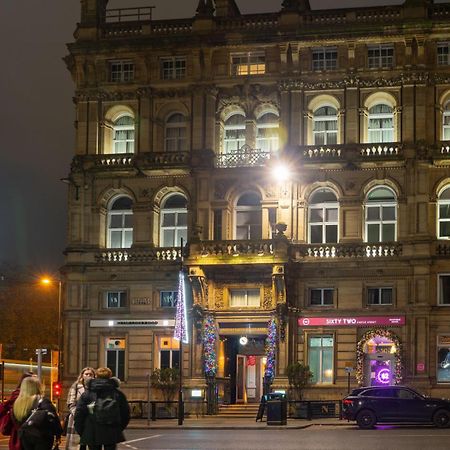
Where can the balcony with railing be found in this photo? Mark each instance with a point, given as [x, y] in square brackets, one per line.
[127, 255]
[245, 157]
[302, 252]
[233, 251]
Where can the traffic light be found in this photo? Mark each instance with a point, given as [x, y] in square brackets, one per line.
[57, 389]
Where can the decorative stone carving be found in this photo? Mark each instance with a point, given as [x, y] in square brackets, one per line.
[218, 298]
[221, 187]
[267, 298]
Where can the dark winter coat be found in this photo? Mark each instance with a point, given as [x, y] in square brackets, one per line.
[13, 443]
[92, 433]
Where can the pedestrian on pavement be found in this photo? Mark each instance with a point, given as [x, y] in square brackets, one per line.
[5, 407]
[75, 392]
[37, 432]
[102, 412]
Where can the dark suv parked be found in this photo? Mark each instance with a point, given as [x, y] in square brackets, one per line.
[394, 404]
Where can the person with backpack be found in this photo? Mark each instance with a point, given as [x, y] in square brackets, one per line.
[36, 417]
[75, 392]
[10, 426]
[102, 412]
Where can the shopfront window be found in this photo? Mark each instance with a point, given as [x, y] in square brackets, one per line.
[115, 356]
[443, 359]
[320, 358]
[168, 353]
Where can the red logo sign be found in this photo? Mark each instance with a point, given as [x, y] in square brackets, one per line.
[364, 321]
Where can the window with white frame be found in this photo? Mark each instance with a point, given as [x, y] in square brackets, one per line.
[115, 356]
[379, 296]
[443, 358]
[320, 358]
[443, 53]
[175, 133]
[444, 289]
[121, 71]
[381, 123]
[173, 221]
[173, 68]
[234, 133]
[321, 296]
[249, 217]
[380, 56]
[168, 299]
[168, 353]
[123, 140]
[250, 63]
[446, 122]
[381, 215]
[267, 132]
[323, 217]
[443, 205]
[324, 58]
[120, 223]
[245, 298]
[116, 299]
[325, 124]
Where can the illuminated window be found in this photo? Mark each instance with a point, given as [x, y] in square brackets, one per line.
[324, 58]
[381, 215]
[121, 71]
[251, 63]
[173, 68]
[446, 122]
[444, 290]
[234, 136]
[115, 356]
[323, 217]
[443, 214]
[120, 223]
[321, 296]
[325, 126]
[320, 358]
[443, 53]
[381, 123]
[175, 133]
[168, 353]
[267, 132]
[249, 217]
[168, 299]
[245, 298]
[380, 296]
[173, 221]
[380, 56]
[116, 299]
[123, 135]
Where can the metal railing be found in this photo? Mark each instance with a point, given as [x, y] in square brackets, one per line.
[314, 409]
[156, 410]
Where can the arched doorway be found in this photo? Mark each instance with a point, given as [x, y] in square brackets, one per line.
[378, 359]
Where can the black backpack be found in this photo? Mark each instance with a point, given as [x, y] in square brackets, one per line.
[107, 410]
[40, 423]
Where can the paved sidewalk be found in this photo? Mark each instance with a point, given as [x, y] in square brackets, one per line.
[214, 422]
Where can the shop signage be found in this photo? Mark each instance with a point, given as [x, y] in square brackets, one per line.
[359, 321]
[420, 367]
[132, 323]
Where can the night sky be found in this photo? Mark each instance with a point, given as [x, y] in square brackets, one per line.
[37, 116]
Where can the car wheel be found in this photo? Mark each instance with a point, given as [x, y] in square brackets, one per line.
[366, 419]
[441, 418]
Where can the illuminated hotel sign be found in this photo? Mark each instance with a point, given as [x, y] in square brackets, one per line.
[359, 321]
[132, 323]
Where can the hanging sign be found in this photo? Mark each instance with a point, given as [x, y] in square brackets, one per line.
[359, 321]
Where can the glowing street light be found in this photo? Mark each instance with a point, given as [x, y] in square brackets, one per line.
[281, 172]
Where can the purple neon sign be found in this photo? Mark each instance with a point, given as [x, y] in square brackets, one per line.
[383, 376]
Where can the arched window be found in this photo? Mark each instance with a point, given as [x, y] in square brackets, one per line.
[120, 223]
[175, 133]
[234, 136]
[381, 215]
[267, 132]
[173, 221]
[249, 216]
[444, 214]
[123, 140]
[381, 123]
[323, 217]
[446, 123]
[325, 124]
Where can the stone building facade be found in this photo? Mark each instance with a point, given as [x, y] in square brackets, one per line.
[340, 263]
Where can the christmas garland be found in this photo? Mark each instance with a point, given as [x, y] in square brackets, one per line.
[209, 346]
[399, 369]
[271, 347]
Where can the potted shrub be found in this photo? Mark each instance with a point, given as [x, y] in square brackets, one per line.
[299, 376]
[167, 381]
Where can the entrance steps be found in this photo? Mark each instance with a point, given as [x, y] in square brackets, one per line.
[239, 410]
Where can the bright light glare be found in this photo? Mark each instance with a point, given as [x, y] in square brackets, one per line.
[281, 173]
[46, 280]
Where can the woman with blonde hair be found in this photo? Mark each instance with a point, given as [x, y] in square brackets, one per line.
[75, 392]
[35, 434]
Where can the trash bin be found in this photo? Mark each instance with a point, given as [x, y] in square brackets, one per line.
[276, 409]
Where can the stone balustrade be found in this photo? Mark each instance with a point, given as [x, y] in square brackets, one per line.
[169, 254]
[233, 248]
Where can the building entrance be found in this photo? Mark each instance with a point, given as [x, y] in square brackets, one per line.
[245, 364]
[379, 362]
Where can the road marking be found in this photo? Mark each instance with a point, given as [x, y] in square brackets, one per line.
[126, 443]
